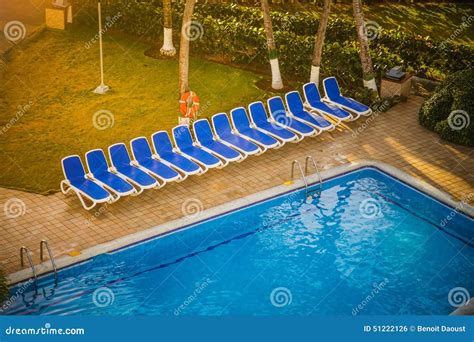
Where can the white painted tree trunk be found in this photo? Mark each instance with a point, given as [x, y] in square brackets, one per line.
[168, 48]
[319, 42]
[183, 83]
[277, 82]
[371, 84]
[314, 77]
[366, 60]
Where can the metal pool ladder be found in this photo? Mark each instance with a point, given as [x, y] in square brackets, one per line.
[26, 250]
[296, 162]
[53, 263]
[315, 165]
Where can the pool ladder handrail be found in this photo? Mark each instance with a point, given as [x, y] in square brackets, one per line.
[51, 257]
[315, 165]
[296, 162]
[24, 249]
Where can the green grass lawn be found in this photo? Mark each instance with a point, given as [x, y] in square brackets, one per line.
[438, 21]
[56, 74]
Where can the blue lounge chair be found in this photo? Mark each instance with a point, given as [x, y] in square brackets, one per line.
[99, 172]
[143, 156]
[164, 150]
[296, 108]
[227, 136]
[260, 120]
[313, 101]
[205, 138]
[242, 125]
[86, 189]
[278, 113]
[185, 144]
[122, 165]
[333, 94]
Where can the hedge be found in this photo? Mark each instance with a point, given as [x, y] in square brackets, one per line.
[236, 32]
[3, 287]
[449, 111]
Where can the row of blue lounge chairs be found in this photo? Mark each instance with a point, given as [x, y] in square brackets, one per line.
[212, 147]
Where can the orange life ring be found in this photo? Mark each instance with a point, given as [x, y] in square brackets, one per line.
[189, 104]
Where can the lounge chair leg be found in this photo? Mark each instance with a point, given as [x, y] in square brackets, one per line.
[84, 203]
[223, 163]
[136, 192]
[62, 185]
[115, 197]
[182, 177]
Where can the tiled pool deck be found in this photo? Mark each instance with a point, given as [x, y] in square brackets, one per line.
[394, 137]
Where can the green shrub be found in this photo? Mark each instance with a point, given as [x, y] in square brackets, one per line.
[236, 33]
[3, 287]
[449, 111]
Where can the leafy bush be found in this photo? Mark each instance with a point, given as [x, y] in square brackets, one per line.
[3, 287]
[236, 33]
[449, 111]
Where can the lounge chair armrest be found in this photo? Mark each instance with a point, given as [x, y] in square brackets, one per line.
[89, 176]
[134, 163]
[113, 169]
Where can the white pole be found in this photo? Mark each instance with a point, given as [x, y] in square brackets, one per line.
[102, 88]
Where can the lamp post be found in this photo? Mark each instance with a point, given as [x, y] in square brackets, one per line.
[102, 88]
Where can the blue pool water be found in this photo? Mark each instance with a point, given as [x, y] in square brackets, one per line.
[367, 245]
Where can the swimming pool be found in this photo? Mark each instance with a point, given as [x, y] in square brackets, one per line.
[368, 244]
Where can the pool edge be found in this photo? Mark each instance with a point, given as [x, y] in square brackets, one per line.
[185, 222]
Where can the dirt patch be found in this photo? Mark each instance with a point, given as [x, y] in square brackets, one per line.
[154, 52]
[266, 85]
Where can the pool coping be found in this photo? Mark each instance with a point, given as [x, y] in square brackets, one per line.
[237, 204]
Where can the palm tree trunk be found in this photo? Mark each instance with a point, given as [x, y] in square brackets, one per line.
[319, 42]
[366, 60]
[277, 83]
[184, 48]
[167, 49]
